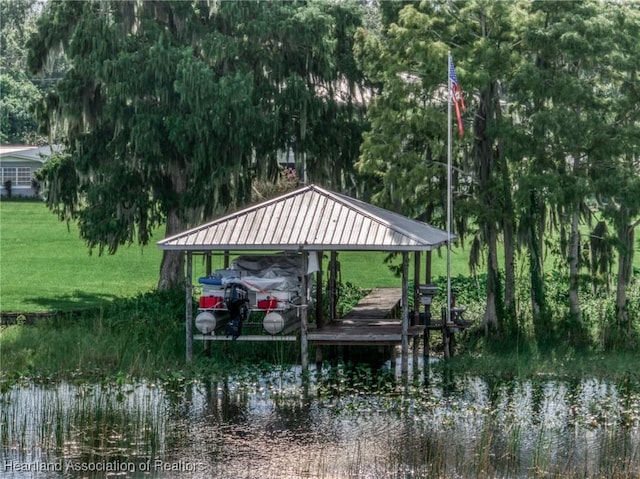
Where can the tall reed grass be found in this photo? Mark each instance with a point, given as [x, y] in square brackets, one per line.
[85, 421]
[349, 423]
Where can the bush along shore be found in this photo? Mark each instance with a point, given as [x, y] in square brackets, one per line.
[143, 336]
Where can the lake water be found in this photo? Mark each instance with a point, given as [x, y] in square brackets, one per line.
[343, 423]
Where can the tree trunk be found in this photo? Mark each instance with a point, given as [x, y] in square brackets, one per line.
[626, 235]
[542, 327]
[509, 268]
[508, 234]
[574, 265]
[172, 265]
[485, 157]
[493, 274]
[508, 227]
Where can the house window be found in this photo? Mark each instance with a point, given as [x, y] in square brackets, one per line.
[24, 176]
[9, 174]
[19, 176]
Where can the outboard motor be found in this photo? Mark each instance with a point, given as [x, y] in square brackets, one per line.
[236, 298]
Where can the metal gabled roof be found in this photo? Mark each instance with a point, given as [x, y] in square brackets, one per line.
[310, 218]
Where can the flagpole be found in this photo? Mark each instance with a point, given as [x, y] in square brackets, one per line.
[449, 200]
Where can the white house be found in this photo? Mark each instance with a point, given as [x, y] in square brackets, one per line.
[18, 164]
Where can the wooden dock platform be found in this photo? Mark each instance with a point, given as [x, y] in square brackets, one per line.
[370, 322]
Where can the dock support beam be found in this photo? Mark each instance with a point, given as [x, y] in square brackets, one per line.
[405, 314]
[427, 331]
[189, 307]
[319, 292]
[304, 326]
[416, 288]
[207, 271]
[333, 285]
[416, 309]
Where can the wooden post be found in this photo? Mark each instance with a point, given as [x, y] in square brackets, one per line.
[189, 308]
[416, 287]
[319, 292]
[416, 308]
[319, 357]
[333, 285]
[425, 346]
[208, 268]
[319, 312]
[405, 314]
[445, 334]
[207, 263]
[427, 331]
[304, 353]
[452, 344]
[226, 260]
[393, 356]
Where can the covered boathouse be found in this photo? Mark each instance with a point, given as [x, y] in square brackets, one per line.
[305, 224]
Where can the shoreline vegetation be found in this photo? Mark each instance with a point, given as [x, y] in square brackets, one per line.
[143, 338]
[120, 326]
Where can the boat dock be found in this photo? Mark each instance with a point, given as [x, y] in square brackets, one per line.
[373, 321]
[309, 224]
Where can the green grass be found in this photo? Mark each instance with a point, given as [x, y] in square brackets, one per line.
[45, 265]
[133, 337]
[367, 269]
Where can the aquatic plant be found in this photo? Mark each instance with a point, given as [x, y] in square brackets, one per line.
[347, 421]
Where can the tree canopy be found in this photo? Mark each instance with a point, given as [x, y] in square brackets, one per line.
[17, 91]
[551, 94]
[170, 109]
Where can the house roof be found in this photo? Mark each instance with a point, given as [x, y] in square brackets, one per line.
[27, 152]
[310, 218]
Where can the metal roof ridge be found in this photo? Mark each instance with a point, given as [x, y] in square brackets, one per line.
[390, 220]
[344, 199]
[235, 214]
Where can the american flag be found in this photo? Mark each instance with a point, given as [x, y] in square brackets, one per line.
[456, 94]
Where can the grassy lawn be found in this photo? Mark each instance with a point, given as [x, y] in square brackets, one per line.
[367, 269]
[45, 265]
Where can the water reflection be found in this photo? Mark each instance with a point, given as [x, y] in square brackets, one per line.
[349, 423]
